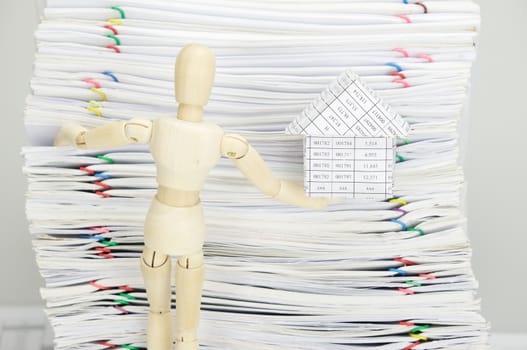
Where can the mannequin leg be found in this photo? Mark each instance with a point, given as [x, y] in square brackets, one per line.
[155, 268]
[189, 284]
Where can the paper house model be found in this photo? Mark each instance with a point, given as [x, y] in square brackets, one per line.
[349, 144]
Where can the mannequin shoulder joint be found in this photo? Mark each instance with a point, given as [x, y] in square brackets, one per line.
[138, 130]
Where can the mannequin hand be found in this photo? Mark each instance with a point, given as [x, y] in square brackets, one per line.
[68, 135]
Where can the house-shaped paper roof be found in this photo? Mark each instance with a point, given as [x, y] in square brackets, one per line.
[349, 148]
[349, 108]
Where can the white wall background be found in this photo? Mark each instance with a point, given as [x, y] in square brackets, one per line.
[496, 165]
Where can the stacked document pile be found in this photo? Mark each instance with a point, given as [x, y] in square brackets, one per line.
[387, 274]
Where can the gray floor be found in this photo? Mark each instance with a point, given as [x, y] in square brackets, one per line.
[25, 328]
[25, 338]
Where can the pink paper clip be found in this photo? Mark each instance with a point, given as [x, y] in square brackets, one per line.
[92, 82]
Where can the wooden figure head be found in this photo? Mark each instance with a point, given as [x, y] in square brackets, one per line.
[194, 76]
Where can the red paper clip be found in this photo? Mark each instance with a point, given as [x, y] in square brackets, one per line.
[102, 184]
[107, 344]
[411, 346]
[100, 229]
[428, 276]
[92, 82]
[398, 74]
[403, 82]
[402, 51]
[113, 47]
[89, 171]
[98, 286]
[406, 18]
[406, 291]
[102, 194]
[122, 309]
[405, 261]
[426, 57]
[126, 288]
[104, 250]
[112, 28]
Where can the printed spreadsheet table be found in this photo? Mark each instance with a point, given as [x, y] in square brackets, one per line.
[352, 167]
[348, 108]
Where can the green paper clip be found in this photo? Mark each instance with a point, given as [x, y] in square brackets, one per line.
[130, 347]
[115, 38]
[415, 229]
[127, 296]
[405, 140]
[413, 283]
[419, 329]
[107, 159]
[120, 10]
[109, 243]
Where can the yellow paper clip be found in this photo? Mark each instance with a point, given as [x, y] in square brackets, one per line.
[100, 92]
[398, 200]
[94, 110]
[418, 336]
[115, 21]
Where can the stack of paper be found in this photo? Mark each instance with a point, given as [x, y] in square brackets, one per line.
[391, 274]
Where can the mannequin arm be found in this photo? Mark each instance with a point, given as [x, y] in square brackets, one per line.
[256, 170]
[111, 135]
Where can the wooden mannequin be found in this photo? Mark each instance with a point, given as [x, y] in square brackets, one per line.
[185, 149]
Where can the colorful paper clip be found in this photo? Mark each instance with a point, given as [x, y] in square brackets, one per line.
[111, 75]
[113, 47]
[395, 65]
[406, 18]
[398, 200]
[100, 93]
[411, 346]
[405, 261]
[403, 225]
[98, 286]
[403, 82]
[107, 159]
[416, 229]
[425, 9]
[402, 51]
[94, 110]
[122, 309]
[394, 209]
[102, 184]
[398, 271]
[426, 57]
[116, 39]
[86, 170]
[406, 291]
[398, 74]
[115, 21]
[112, 28]
[120, 10]
[413, 283]
[92, 82]
[405, 140]
[107, 344]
